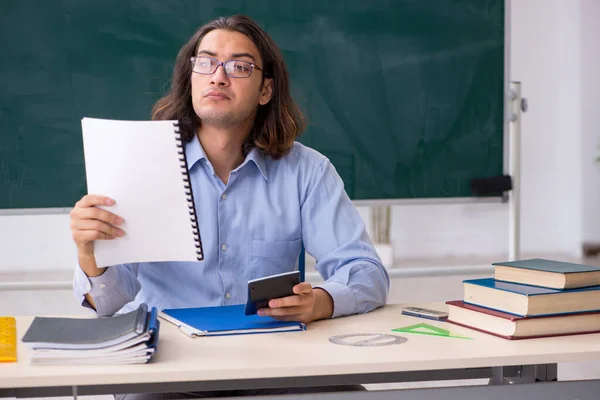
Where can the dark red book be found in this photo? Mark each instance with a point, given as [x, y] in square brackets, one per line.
[510, 326]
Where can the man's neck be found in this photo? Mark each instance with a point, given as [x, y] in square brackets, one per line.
[223, 148]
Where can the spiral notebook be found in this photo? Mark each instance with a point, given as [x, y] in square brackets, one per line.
[143, 167]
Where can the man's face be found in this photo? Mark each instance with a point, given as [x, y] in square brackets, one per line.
[222, 100]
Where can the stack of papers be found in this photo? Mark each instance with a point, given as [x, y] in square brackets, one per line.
[122, 339]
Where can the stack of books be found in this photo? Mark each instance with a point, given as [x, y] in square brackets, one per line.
[531, 298]
[129, 338]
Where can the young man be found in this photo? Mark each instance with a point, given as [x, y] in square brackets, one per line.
[259, 195]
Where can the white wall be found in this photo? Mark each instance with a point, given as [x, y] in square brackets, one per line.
[590, 105]
[546, 58]
[36, 242]
[555, 54]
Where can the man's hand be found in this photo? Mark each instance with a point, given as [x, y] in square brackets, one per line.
[90, 223]
[305, 306]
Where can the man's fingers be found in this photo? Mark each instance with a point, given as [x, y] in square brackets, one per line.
[290, 301]
[100, 214]
[91, 200]
[95, 225]
[302, 288]
[281, 312]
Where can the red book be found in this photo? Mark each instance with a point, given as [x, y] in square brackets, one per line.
[510, 326]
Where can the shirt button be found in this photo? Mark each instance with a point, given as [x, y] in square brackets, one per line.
[228, 295]
[102, 286]
[224, 247]
[224, 196]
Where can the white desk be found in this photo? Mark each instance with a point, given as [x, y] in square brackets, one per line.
[307, 359]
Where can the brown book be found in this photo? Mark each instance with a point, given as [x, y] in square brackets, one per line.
[513, 327]
[548, 273]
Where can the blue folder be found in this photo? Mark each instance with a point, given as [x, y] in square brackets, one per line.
[224, 320]
[153, 328]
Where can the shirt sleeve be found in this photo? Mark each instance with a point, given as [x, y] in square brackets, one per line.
[117, 286]
[335, 235]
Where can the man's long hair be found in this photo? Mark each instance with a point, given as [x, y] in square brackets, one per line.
[277, 124]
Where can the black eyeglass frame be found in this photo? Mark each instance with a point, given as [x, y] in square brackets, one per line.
[223, 64]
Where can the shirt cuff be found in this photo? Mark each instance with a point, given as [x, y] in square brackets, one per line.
[344, 302]
[103, 284]
[97, 286]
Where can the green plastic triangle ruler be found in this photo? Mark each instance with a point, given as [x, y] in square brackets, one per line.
[426, 329]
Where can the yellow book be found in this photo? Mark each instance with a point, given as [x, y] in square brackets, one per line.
[8, 339]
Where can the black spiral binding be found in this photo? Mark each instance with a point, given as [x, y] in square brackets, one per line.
[188, 191]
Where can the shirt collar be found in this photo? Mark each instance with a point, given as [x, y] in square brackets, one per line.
[259, 159]
[194, 153]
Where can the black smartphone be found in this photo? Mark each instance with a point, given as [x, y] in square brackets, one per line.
[261, 290]
[425, 313]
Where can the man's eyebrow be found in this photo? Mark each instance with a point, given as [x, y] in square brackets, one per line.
[210, 53]
[237, 55]
[233, 55]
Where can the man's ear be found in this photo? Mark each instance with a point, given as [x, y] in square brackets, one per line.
[267, 92]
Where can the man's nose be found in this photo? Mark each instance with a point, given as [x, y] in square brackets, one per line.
[219, 77]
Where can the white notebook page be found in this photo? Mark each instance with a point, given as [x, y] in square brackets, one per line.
[136, 163]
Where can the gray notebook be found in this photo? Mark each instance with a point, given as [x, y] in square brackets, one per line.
[86, 333]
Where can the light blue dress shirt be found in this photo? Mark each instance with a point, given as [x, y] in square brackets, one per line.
[252, 227]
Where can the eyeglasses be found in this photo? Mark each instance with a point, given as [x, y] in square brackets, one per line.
[233, 68]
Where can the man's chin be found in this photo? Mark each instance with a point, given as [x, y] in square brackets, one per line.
[220, 119]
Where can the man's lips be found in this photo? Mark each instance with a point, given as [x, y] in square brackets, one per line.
[214, 95]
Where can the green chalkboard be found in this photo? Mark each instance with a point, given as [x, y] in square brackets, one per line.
[406, 97]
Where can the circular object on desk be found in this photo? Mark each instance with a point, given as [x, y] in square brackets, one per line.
[367, 339]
